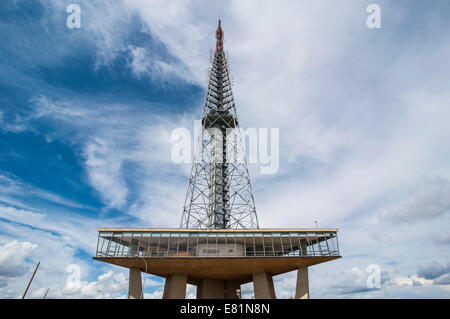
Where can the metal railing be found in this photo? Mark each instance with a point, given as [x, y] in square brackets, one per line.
[155, 244]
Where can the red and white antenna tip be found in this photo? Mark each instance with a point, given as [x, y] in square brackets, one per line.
[219, 37]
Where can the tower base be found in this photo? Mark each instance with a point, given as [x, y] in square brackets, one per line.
[217, 289]
[207, 288]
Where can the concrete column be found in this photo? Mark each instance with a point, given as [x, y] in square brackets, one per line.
[211, 289]
[135, 284]
[230, 289]
[199, 290]
[302, 289]
[263, 286]
[175, 287]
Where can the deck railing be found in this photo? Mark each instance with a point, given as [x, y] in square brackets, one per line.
[179, 244]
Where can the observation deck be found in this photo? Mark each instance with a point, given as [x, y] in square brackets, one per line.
[219, 254]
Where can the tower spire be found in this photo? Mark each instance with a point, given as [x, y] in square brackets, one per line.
[219, 193]
[219, 37]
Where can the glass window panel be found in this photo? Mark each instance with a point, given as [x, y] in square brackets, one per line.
[302, 234]
[106, 234]
[276, 234]
[221, 240]
[193, 245]
[182, 247]
[173, 245]
[102, 245]
[111, 248]
[202, 245]
[120, 244]
[163, 246]
[134, 244]
[259, 246]
[331, 243]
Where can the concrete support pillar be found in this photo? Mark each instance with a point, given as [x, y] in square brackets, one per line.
[211, 289]
[175, 287]
[217, 289]
[135, 284]
[231, 288]
[200, 290]
[302, 289]
[263, 286]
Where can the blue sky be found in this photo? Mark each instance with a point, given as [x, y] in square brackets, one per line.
[86, 116]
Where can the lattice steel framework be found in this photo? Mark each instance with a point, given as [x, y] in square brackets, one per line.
[219, 193]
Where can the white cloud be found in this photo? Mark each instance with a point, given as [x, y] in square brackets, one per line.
[139, 60]
[112, 140]
[429, 200]
[143, 64]
[191, 291]
[157, 294]
[108, 285]
[433, 270]
[354, 281]
[441, 238]
[413, 280]
[178, 26]
[13, 258]
[104, 166]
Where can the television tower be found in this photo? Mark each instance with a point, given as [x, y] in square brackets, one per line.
[219, 194]
[219, 246]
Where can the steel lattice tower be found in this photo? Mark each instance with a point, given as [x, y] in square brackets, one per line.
[219, 194]
[211, 250]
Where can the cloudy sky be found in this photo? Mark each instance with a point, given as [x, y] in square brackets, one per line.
[86, 117]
